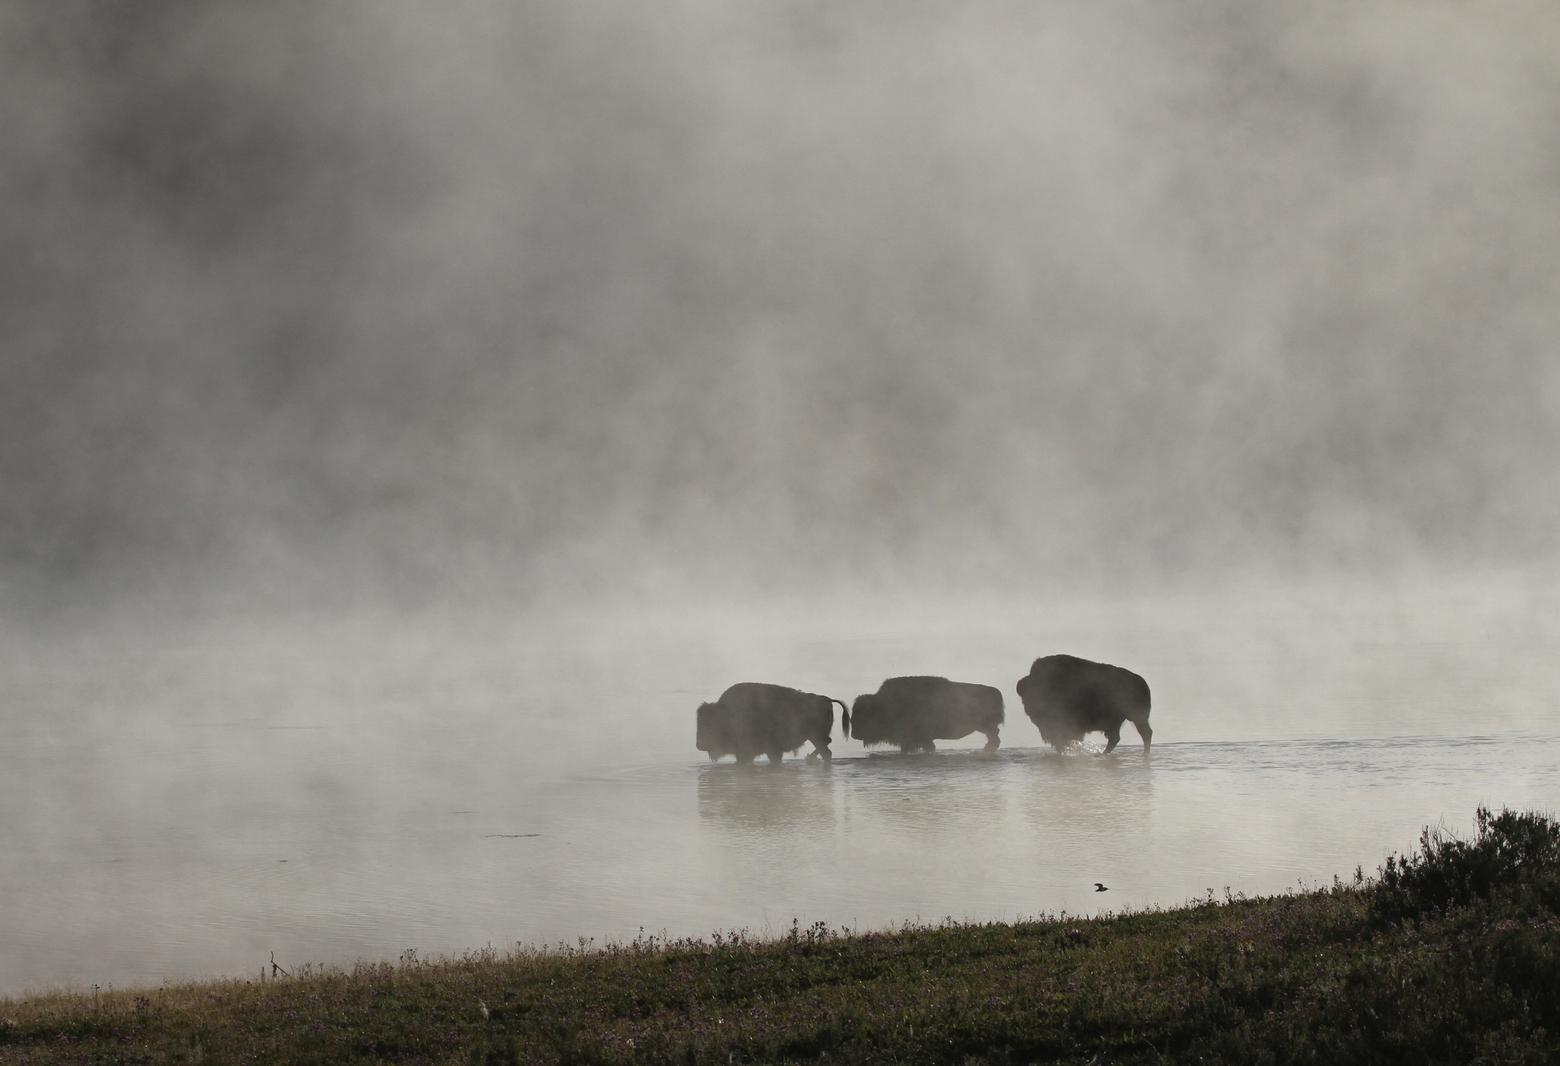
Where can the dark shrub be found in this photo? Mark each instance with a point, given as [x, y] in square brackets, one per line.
[1514, 856]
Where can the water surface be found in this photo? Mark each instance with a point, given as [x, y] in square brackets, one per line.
[183, 808]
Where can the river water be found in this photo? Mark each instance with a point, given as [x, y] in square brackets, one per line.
[181, 802]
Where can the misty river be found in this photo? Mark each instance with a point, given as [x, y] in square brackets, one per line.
[182, 803]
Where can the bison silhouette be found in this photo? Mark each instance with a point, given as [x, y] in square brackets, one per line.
[752, 719]
[1067, 697]
[914, 712]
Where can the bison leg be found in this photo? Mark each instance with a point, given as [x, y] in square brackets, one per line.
[1112, 738]
[929, 746]
[775, 757]
[821, 750]
[744, 759]
[1146, 733]
[993, 740]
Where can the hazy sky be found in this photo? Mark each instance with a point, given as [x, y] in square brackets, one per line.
[433, 301]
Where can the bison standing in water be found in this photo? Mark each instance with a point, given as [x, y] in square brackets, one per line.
[912, 712]
[752, 719]
[1067, 697]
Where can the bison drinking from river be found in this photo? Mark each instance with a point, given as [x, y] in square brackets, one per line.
[912, 712]
[1067, 697]
[753, 719]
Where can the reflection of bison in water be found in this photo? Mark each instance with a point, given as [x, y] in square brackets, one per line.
[1067, 697]
[753, 719]
[912, 712]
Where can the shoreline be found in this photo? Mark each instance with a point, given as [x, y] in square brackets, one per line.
[1446, 955]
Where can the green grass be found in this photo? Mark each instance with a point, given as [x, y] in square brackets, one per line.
[1450, 955]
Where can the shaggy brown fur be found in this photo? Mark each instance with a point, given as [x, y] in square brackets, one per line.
[1067, 697]
[913, 712]
[752, 718]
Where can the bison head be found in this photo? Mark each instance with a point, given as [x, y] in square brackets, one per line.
[711, 730]
[867, 720]
[1056, 725]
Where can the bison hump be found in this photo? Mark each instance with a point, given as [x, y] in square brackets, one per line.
[751, 689]
[914, 684]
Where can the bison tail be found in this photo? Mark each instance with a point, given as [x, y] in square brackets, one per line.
[844, 717]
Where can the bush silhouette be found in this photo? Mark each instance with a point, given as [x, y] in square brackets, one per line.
[1514, 857]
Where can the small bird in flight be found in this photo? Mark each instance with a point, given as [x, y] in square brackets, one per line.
[1100, 888]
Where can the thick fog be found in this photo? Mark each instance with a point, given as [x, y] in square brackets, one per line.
[514, 302]
[411, 411]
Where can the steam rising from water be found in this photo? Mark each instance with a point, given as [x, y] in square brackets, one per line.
[497, 302]
[411, 412]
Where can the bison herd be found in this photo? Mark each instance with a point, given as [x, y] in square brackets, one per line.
[1064, 696]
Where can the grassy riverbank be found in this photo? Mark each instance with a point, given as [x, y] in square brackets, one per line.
[1451, 954]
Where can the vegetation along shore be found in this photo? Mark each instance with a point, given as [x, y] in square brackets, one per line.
[1450, 953]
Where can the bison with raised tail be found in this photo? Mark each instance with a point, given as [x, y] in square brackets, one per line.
[913, 712]
[752, 719]
[1067, 697]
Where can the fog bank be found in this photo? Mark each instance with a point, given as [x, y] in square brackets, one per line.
[508, 302]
